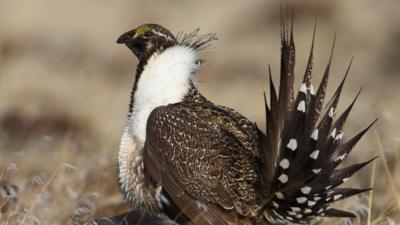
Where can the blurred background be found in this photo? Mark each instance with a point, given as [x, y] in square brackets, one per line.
[65, 85]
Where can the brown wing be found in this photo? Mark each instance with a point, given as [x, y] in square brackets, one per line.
[203, 160]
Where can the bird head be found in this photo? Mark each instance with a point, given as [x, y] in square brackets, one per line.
[147, 39]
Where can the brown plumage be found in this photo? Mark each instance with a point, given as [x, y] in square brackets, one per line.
[202, 163]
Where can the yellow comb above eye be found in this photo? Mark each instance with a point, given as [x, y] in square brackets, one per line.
[143, 29]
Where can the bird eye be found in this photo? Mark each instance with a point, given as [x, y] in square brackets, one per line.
[147, 34]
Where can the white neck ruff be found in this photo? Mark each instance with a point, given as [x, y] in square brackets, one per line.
[164, 80]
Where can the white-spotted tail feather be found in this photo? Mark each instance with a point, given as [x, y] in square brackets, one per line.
[303, 144]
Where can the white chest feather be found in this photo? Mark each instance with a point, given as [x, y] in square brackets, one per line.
[164, 80]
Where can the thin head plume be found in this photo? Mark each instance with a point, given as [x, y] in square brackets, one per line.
[195, 40]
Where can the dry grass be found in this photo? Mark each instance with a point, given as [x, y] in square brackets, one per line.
[64, 88]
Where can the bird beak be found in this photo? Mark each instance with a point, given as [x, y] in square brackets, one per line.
[124, 38]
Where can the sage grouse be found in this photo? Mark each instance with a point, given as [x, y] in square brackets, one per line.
[196, 162]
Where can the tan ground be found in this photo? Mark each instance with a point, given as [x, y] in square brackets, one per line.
[65, 84]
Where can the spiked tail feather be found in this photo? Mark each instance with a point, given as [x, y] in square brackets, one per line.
[302, 146]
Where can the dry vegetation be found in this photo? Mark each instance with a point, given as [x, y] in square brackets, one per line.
[64, 88]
